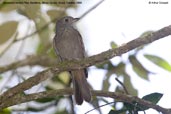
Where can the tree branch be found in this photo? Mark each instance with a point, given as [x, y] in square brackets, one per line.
[47, 61]
[42, 60]
[18, 99]
[37, 60]
[83, 63]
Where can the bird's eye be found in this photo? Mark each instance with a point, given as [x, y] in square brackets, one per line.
[66, 20]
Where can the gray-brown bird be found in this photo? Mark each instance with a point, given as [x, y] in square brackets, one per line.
[68, 45]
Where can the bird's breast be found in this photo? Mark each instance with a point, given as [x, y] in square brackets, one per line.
[68, 44]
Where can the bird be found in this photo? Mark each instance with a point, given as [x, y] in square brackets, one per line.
[68, 45]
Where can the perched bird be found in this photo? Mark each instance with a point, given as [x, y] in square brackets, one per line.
[68, 45]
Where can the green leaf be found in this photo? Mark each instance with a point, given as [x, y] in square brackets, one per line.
[153, 98]
[117, 111]
[105, 65]
[5, 111]
[40, 48]
[45, 100]
[146, 33]
[7, 30]
[106, 83]
[33, 109]
[55, 14]
[50, 52]
[143, 35]
[119, 69]
[129, 86]
[62, 112]
[31, 11]
[129, 107]
[7, 7]
[139, 68]
[43, 34]
[159, 61]
[109, 67]
[113, 45]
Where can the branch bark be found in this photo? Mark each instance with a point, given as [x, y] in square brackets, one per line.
[37, 60]
[18, 99]
[42, 60]
[79, 64]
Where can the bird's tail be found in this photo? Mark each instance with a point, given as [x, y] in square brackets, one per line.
[81, 87]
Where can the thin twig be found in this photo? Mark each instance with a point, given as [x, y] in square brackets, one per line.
[9, 45]
[35, 32]
[46, 25]
[91, 9]
[99, 107]
[126, 91]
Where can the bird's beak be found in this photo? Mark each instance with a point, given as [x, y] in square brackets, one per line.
[76, 19]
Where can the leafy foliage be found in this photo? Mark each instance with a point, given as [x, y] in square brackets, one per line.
[153, 98]
[41, 19]
[7, 30]
[134, 107]
[159, 62]
[5, 111]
